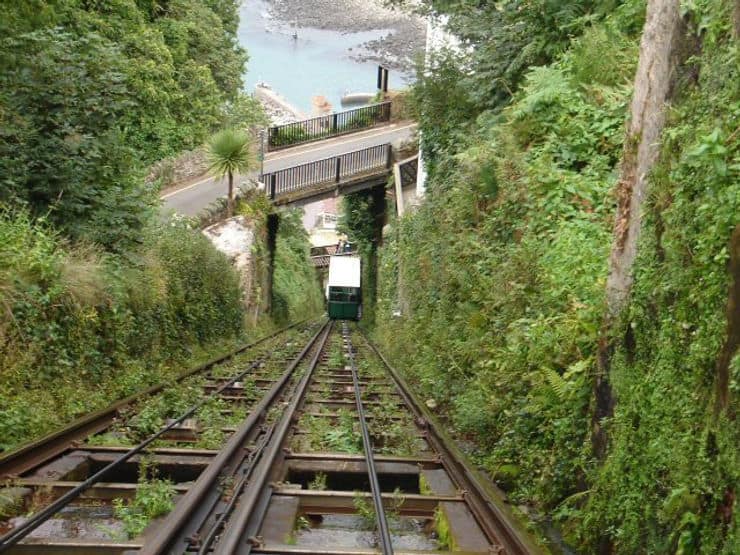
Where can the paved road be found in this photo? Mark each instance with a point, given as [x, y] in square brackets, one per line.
[191, 199]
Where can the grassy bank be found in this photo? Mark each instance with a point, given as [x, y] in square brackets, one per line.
[82, 328]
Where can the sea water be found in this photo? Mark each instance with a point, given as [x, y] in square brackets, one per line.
[315, 63]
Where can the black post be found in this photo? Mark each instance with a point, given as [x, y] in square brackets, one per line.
[382, 79]
[273, 221]
[339, 168]
[273, 185]
[334, 122]
[389, 157]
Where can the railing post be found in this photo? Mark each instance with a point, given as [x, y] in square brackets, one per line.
[334, 122]
[338, 169]
[273, 185]
[389, 156]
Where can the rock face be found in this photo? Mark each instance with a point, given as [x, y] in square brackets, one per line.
[321, 106]
[185, 166]
[347, 16]
[396, 50]
[234, 237]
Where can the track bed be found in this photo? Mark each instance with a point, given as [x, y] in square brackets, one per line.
[308, 443]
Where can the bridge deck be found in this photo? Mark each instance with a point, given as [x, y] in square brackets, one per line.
[347, 172]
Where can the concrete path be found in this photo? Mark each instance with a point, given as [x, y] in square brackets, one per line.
[191, 199]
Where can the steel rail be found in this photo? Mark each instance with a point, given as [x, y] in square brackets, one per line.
[386, 543]
[13, 537]
[245, 516]
[166, 537]
[31, 455]
[485, 501]
[205, 545]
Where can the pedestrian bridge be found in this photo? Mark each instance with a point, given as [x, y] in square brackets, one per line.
[342, 174]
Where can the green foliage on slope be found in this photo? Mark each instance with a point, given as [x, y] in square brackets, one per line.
[673, 470]
[296, 290]
[361, 221]
[98, 297]
[81, 328]
[505, 39]
[503, 273]
[92, 92]
[505, 267]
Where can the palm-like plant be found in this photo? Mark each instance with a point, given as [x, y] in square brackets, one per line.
[229, 153]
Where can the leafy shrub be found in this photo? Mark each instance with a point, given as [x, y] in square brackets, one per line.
[296, 289]
[500, 278]
[101, 324]
[91, 93]
[357, 121]
[154, 497]
[290, 135]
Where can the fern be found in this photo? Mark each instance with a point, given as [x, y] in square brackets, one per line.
[559, 385]
[556, 388]
[545, 86]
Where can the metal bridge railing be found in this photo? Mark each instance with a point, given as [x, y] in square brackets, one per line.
[375, 159]
[331, 125]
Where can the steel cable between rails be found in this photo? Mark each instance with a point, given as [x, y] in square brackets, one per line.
[17, 534]
[489, 509]
[205, 546]
[254, 458]
[233, 538]
[386, 542]
[10, 462]
[168, 531]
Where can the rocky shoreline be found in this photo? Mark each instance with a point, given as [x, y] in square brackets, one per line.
[397, 49]
[277, 108]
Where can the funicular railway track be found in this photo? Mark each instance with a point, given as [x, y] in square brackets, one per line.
[332, 455]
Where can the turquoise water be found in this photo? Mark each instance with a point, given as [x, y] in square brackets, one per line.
[316, 63]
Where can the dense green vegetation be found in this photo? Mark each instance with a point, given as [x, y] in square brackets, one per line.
[362, 221]
[99, 297]
[92, 92]
[503, 269]
[110, 325]
[86, 321]
[296, 290]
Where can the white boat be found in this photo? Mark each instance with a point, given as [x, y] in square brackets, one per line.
[357, 99]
